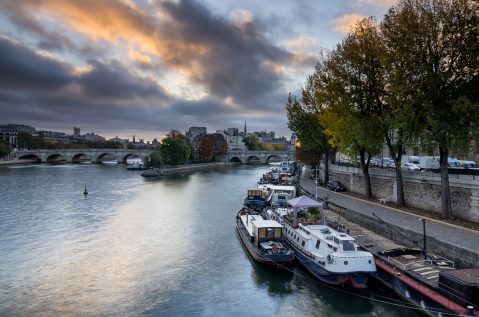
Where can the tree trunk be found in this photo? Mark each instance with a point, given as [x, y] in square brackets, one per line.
[365, 169]
[326, 166]
[445, 193]
[400, 200]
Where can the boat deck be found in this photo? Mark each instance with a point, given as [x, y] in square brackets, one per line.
[414, 264]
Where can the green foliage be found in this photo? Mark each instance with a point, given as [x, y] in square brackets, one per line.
[307, 126]
[4, 148]
[154, 160]
[253, 144]
[174, 151]
[274, 147]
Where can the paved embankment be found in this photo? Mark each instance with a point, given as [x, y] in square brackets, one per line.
[449, 240]
[193, 167]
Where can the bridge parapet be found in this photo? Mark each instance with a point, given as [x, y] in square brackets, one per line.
[73, 155]
[262, 157]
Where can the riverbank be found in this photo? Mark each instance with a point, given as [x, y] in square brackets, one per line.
[193, 167]
[13, 162]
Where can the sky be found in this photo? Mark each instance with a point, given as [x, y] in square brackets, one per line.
[144, 67]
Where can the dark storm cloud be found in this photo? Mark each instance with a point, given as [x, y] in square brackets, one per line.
[22, 67]
[233, 61]
[239, 60]
[114, 80]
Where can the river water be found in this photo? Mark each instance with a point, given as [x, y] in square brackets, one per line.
[136, 247]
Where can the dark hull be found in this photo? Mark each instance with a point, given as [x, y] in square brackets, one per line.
[357, 280]
[416, 293]
[256, 255]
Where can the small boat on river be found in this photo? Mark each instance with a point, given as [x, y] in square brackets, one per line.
[136, 165]
[331, 256]
[262, 238]
[152, 172]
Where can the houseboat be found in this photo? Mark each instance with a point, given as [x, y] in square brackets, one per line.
[262, 238]
[331, 256]
[258, 198]
[428, 281]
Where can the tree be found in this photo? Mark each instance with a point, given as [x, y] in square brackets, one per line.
[305, 122]
[5, 148]
[436, 41]
[174, 151]
[154, 160]
[354, 90]
[252, 143]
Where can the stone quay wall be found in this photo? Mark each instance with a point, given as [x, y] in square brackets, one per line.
[461, 256]
[421, 189]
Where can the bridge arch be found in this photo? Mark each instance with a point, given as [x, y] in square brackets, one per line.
[253, 159]
[80, 157]
[55, 158]
[130, 156]
[105, 156]
[274, 158]
[236, 159]
[30, 157]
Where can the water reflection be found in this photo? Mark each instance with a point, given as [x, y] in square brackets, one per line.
[277, 281]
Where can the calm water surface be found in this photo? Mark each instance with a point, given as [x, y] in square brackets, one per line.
[139, 247]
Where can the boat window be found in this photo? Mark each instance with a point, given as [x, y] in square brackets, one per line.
[269, 233]
[302, 243]
[317, 244]
[335, 249]
[336, 240]
[348, 246]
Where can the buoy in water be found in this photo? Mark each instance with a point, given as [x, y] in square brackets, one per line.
[85, 192]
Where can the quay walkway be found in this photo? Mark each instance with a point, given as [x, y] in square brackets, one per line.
[458, 242]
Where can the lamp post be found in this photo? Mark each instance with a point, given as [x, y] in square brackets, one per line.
[316, 184]
[424, 236]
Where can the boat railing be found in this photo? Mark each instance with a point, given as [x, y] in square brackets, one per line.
[436, 261]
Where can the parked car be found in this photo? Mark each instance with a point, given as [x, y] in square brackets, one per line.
[410, 167]
[336, 186]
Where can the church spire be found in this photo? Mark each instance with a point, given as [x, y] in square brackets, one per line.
[245, 127]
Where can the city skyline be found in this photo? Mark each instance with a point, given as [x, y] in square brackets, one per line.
[123, 68]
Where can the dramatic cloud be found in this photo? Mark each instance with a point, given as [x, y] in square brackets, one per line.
[345, 23]
[156, 65]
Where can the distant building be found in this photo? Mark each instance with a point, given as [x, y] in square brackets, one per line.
[9, 132]
[193, 132]
[54, 137]
[76, 131]
[234, 139]
[92, 137]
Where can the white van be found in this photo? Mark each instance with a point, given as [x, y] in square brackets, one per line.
[428, 163]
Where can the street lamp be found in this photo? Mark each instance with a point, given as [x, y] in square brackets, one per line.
[423, 236]
[316, 184]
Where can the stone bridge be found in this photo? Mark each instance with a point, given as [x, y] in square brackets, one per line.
[259, 157]
[78, 155]
[121, 155]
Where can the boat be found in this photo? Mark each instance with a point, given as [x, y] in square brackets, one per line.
[332, 257]
[258, 198]
[262, 239]
[152, 172]
[281, 194]
[429, 281]
[136, 165]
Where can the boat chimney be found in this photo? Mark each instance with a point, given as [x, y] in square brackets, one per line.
[470, 310]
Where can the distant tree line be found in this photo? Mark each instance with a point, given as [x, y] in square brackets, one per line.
[414, 77]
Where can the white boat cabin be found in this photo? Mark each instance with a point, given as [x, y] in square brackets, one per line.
[261, 230]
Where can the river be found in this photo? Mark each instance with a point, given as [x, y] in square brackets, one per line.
[138, 247]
